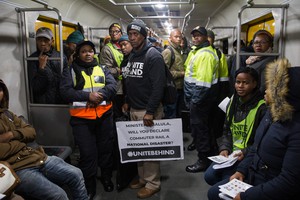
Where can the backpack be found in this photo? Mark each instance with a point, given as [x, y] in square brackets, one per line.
[172, 55]
[170, 91]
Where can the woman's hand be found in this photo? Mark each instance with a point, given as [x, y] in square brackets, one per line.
[95, 97]
[237, 197]
[224, 153]
[238, 175]
[240, 155]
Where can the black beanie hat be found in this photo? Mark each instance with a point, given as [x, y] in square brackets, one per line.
[139, 26]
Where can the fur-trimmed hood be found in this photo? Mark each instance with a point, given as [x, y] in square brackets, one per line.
[283, 83]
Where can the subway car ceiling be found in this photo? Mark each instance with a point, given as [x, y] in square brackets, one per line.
[96, 15]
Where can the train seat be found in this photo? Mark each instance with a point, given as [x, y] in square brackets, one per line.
[60, 151]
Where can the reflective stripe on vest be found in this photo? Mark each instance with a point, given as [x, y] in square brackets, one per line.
[118, 56]
[201, 73]
[223, 69]
[93, 83]
[241, 131]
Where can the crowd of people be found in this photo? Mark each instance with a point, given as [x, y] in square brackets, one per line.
[103, 89]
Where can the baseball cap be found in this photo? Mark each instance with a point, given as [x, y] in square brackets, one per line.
[44, 32]
[200, 29]
[85, 42]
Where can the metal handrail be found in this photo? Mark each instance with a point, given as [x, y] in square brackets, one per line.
[24, 41]
[282, 29]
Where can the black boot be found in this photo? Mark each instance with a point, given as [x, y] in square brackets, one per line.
[91, 184]
[106, 174]
[107, 184]
[192, 146]
[199, 166]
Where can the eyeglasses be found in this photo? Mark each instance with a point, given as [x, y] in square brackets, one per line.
[114, 32]
[260, 42]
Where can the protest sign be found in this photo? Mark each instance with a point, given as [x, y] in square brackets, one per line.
[163, 141]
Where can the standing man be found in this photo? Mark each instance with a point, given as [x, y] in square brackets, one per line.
[44, 74]
[72, 40]
[111, 56]
[145, 76]
[201, 90]
[174, 61]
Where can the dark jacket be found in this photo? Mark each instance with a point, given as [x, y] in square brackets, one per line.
[240, 111]
[272, 165]
[260, 67]
[44, 83]
[145, 79]
[70, 94]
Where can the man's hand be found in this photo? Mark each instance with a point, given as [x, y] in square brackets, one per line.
[148, 120]
[42, 60]
[125, 108]
[6, 137]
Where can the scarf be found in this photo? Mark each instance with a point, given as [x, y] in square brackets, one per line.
[253, 59]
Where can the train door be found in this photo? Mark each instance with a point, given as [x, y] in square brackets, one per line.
[50, 121]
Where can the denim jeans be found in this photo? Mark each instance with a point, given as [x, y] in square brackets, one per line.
[43, 182]
[213, 176]
[213, 192]
[172, 111]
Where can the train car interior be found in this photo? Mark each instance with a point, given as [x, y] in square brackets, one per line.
[230, 20]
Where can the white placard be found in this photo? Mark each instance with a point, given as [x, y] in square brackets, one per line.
[223, 104]
[163, 141]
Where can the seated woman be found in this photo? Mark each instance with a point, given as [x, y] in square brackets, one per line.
[41, 175]
[262, 43]
[271, 165]
[244, 113]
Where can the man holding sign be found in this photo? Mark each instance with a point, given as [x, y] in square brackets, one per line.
[145, 80]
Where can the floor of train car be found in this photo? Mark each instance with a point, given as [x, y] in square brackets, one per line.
[176, 183]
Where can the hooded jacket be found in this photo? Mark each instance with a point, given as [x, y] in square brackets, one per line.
[241, 112]
[16, 152]
[145, 79]
[272, 166]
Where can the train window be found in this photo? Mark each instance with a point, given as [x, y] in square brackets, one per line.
[265, 22]
[52, 24]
